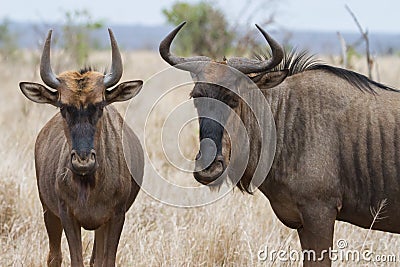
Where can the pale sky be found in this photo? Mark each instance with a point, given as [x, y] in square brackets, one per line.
[377, 16]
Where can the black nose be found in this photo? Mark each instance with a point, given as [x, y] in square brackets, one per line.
[83, 163]
[210, 173]
[207, 154]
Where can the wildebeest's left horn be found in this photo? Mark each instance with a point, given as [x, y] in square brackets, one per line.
[247, 66]
[46, 73]
[115, 74]
[173, 60]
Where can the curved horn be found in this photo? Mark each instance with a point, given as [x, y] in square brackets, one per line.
[173, 60]
[46, 73]
[247, 66]
[115, 74]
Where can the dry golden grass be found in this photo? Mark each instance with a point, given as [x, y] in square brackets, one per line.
[229, 232]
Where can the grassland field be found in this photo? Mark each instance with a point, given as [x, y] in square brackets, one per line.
[228, 232]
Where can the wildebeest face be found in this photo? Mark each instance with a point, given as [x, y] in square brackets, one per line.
[81, 101]
[212, 79]
[81, 128]
[214, 103]
[81, 97]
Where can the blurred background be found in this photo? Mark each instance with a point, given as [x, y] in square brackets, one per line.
[215, 28]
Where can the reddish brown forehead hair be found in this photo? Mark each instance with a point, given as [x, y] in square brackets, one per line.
[81, 88]
[84, 87]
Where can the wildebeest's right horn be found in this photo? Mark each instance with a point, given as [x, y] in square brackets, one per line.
[173, 60]
[247, 66]
[115, 74]
[46, 73]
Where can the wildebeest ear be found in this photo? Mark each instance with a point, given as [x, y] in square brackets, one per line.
[38, 93]
[123, 91]
[272, 79]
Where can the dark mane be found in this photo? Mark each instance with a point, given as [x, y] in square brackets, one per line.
[89, 69]
[293, 61]
[360, 81]
[297, 62]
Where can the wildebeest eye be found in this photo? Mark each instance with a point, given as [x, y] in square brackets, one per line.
[195, 94]
[62, 110]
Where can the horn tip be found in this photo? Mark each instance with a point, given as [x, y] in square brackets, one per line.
[259, 27]
[110, 32]
[266, 35]
[181, 25]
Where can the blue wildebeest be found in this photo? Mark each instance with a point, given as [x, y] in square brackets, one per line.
[87, 174]
[337, 140]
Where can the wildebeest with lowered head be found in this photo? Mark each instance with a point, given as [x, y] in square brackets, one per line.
[337, 140]
[89, 163]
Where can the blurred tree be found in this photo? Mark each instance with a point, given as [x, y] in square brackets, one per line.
[76, 32]
[248, 41]
[208, 33]
[8, 41]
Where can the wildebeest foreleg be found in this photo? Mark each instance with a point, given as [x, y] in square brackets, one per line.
[113, 233]
[316, 234]
[73, 233]
[54, 231]
[97, 257]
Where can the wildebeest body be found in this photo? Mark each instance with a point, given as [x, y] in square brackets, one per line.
[89, 163]
[337, 141]
[91, 201]
[337, 144]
